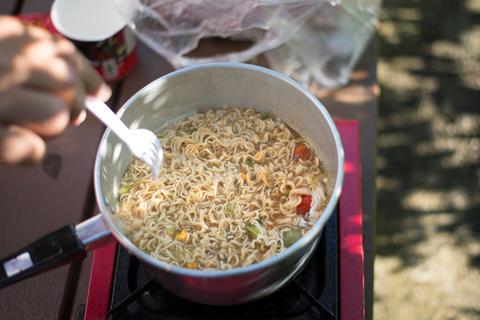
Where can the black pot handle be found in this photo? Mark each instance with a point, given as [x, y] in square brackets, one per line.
[60, 247]
[56, 249]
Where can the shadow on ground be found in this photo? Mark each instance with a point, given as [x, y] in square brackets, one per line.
[428, 216]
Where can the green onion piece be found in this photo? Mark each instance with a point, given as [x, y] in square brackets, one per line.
[229, 211]
[249, 162]
[263, 115]
[316, 180]
[252, 231]
[170, 230]
[291, 236]
[123, 190]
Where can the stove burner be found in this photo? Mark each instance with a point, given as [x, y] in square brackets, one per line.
[311, 295]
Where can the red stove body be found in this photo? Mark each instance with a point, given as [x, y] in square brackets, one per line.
[349, 273]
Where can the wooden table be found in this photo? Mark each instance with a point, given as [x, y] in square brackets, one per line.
[37, 200]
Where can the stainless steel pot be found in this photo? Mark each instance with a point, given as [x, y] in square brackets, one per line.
[160, 103]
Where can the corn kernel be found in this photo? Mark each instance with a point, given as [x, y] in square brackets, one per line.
[181, 236]
[244, 176]
[191, 265]
[259, 156]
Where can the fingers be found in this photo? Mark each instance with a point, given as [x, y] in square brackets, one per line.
[57, 74]
[90, 84]
[88, 81]
[78, 102]
[94, 84]
[42, 113]
[43, 85]
[54, 66]
[81, 117]
[56, 78]
[10, 26]
[42, 66]
[19, 145]
[92, 81]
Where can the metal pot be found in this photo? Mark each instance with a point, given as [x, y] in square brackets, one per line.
[167, 100]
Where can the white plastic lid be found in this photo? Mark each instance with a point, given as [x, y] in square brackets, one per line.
[86, 20]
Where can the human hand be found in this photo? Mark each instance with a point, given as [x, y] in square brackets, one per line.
[43, 85]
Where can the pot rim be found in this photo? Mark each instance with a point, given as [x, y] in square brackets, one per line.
[307, 239]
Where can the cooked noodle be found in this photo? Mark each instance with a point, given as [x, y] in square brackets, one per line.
[228, 192]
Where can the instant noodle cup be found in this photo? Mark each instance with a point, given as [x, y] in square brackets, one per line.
[99, 32]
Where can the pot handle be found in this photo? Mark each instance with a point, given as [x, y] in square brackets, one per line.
[67, 244]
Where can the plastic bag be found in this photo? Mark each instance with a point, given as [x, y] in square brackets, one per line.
[326, 48]
[317, 40]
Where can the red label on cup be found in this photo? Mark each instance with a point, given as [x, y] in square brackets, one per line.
[39, 20]
[114, 57]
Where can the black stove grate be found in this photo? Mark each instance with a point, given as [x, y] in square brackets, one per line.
[311, 295]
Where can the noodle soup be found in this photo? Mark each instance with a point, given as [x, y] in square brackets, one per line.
[237, 186]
